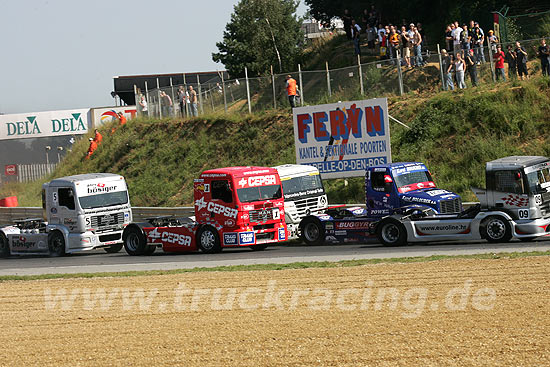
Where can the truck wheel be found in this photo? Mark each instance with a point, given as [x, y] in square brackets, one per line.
[391, 232]
[260, 247]
[209, 241]
[113, 249]
[134, 242]
[496, 229]
[56, 244]
[313, 232]
[4, 246]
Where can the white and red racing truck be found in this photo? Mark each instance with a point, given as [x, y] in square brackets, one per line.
[234, 207]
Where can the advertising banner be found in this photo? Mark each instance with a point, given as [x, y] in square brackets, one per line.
[44, 124]
[10, 169]
[343, 139]
[105, 115]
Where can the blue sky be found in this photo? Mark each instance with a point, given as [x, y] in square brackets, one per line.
[63, 54]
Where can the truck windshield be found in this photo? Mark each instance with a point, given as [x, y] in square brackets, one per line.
[304, 184]
[101, 200]
[413, 181]
[250, 194]
[538, 180]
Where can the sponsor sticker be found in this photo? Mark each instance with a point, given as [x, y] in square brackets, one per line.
[246, 238]
[230, 239]
[282, 234]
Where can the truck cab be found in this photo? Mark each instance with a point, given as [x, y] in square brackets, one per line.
[400, 186]
[80, 212]
[244, 205]
[303, 192]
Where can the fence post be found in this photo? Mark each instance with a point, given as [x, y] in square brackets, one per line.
[273, 88]
[399, 73]
[301, 88]
[247, 90]
[224, 95]
[200, 94]
[328, 80]
[490, 59]
[441, 68]
[173, 99]
[159, 100]
[360, 75]
[138, 113]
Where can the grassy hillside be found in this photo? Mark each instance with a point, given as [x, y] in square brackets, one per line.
[454, 133]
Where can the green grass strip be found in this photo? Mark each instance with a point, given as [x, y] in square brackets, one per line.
[296, 265]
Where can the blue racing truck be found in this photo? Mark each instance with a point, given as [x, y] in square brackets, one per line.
[395, 188]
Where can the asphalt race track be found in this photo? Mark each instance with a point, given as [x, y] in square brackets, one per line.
[99, 261]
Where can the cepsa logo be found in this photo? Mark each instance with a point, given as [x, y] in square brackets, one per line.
[216, 208]
[256, 181]
[170, 237]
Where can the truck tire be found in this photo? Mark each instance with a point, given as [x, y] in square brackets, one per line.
[208, 240]
[496, 229]
[312, 231]
[135, 242]
[391, 232]
[260, 247]
[56, 244]
[113, 249]
[4, 246]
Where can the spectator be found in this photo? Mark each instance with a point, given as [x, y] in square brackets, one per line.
[355, 34]
[481, 40]
[182, 96]
[459, 71]
[291, 90]
[423, 42]
[365, 19]
[457, 31]
[512, 62]
[447, 65]
[346, 18]
[465, 40]
[449, 37]
[166, 104]
[471, 66]
[394, 43]
[521, 61]
[192, 98]
[493, 40]
[371, 37]
[543, 53]
[499, 64]
[417, 44]
[92, 148]
[121, 118]
[405, 46]
[143, 105]
[477, 40]
[98, 138]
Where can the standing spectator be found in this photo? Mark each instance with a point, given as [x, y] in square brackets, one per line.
[365, 19]
[182, 96]
[143, 105]
[499, 64]
[471, 66]
[459, 71]
[346, 18]
[92, 148]
[423, 42]
[371, 37]
[405, 46]
[447, 65]
[457, 31]
[481, 40]
[543, 53]
[417, 44]
[193, 101]
[449, 37]
[291, 90]
[477, 40]
[98, 138]
[512, 63]
[493, 40]
[355, 34]
[521, 58]
[394, 43]
[465, 40]
[166, 104]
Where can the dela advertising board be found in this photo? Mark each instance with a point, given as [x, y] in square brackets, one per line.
[343, 139]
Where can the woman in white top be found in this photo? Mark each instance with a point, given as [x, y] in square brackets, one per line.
[460, 67]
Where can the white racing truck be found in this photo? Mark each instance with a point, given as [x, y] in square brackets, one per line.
[81, 212]
[303, 192]
[515, 204]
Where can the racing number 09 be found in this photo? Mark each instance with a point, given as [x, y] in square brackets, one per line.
[523, 213]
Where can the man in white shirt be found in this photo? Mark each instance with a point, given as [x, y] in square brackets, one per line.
[456, 38]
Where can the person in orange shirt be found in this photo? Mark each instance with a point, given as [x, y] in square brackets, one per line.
[291, 90]
[121, 118]
[98, 137]
[92, 148]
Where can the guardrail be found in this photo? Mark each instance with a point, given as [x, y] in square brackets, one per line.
[8, 215]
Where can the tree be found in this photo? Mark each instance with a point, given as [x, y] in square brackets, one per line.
[261, 33]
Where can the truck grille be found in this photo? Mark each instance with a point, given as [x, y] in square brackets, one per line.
[261, 215]
[450, 206]
[265, 237]
[107, 220]
[306, 206]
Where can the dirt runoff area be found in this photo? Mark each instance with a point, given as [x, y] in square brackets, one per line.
[440, 313]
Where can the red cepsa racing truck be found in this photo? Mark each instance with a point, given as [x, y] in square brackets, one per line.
[234, 207]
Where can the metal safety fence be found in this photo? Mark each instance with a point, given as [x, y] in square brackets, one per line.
[385, 77]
